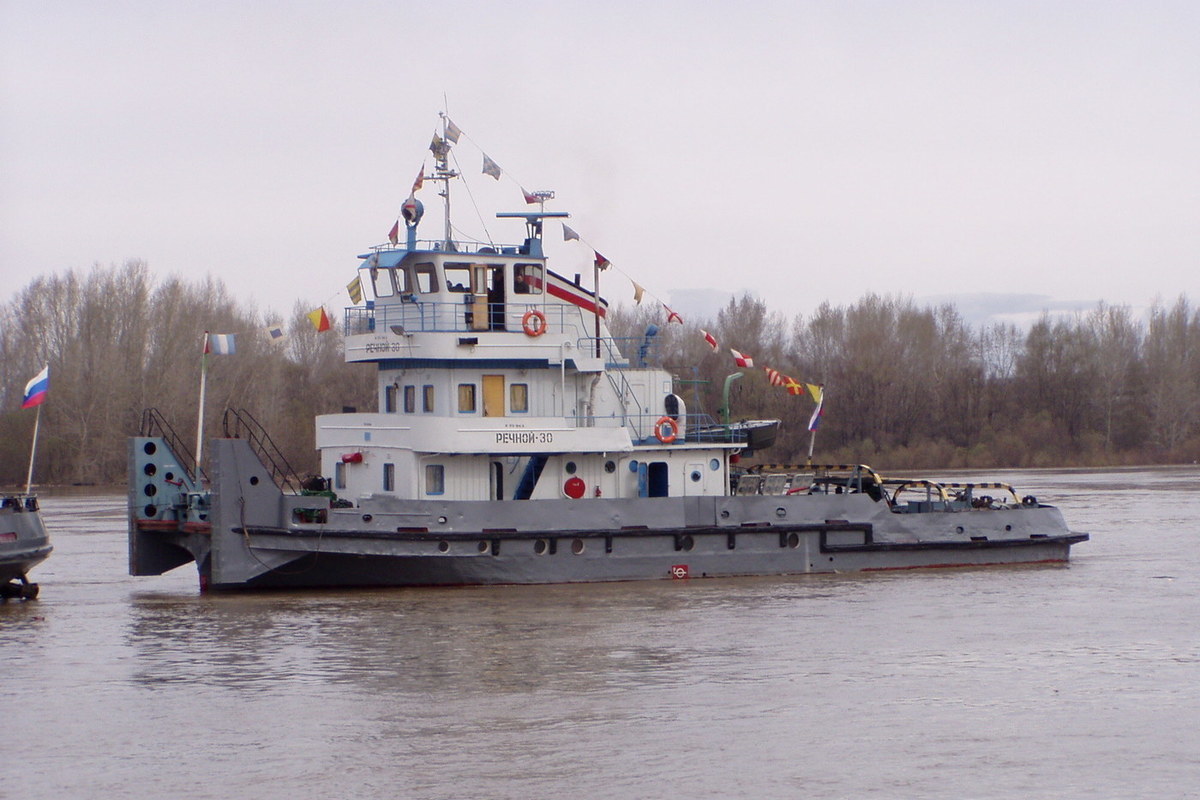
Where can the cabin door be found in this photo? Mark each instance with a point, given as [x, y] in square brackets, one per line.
[493, 395]
[488, 306]
[479, 298]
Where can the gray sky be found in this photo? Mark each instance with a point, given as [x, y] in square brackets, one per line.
[805, 151]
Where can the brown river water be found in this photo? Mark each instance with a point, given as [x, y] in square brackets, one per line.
[1029, 682]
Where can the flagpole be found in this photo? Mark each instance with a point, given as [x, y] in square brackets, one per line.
[37, 421]
[596, 282]
[200, 416]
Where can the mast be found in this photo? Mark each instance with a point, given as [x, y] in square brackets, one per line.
[440, 147]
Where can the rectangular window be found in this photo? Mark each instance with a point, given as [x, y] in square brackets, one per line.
[426, 278]
[466, 398]
[458, 278]
[518, 398]
[410, 399]
[339, 475]
[427, 399]
[382, 279]
[389, 399]
[435, 479]
[400, 280]
[389, 477]
[527, 279]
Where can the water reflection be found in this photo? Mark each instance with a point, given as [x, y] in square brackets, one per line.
[472, 640]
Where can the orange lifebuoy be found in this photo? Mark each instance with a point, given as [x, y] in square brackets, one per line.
[671, 425]
[534, 328]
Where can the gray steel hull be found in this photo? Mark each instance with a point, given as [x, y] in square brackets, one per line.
[24, 542]
[257, 537]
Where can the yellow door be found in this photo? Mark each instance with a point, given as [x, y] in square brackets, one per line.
[480, 320]
[493, 395]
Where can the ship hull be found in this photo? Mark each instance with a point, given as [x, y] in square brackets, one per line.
[554, 558]
[256, 537]
[24, 544]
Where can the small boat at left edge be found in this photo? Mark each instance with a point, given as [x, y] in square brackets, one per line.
[24, 544]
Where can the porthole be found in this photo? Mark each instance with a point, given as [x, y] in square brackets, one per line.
[149, 448]
[793, 540]
[633, 466]
[483, 546]
[610, 467]
[781, 512]
[715, 464]
[687, 543]
[1008, 527]
[959, 529]
[150, 510]
[570, 467]
[149, 469]
[367, 517]
[442, 520]
[443, 547]
[150, 490]
[540, 547]
[696, 476]
[254, 480]
[170, 476]
[577, 546]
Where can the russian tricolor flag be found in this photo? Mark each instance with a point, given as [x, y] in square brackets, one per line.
[35, 390]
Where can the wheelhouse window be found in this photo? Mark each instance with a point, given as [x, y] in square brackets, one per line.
[383, 279]
[527, 279]
[426, 276]
[435, 479]
[389, 477]
[466, 398]
[518, 398]
[389, 399]
[458, 278]
[410, 399]
[339, 475]
[427, 399]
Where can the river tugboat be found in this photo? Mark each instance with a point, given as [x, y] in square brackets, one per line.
[24, 544]
[516, 441]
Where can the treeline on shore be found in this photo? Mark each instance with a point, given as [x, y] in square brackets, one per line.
[118, 342]
[907, 386]
[915, 387]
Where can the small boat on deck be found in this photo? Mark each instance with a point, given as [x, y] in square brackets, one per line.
[516, 442]
[24, 544]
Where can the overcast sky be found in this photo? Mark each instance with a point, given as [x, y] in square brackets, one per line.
[805, 151]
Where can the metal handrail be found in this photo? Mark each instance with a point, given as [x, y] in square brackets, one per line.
[423, 316]
[155, 424]
[235, 422]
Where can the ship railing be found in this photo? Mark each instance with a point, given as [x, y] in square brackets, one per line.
[241, 424]
[422, 316]
[622, 352]
[639, 351]
[697, 427]
[455, 246]
[778, 479]
[155, 424]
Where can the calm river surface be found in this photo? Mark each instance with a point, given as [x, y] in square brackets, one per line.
[1034, 682]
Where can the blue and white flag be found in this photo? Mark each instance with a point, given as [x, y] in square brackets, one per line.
[221, 344]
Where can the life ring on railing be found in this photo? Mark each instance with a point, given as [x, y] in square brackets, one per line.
[534, 328]
[672, 427]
